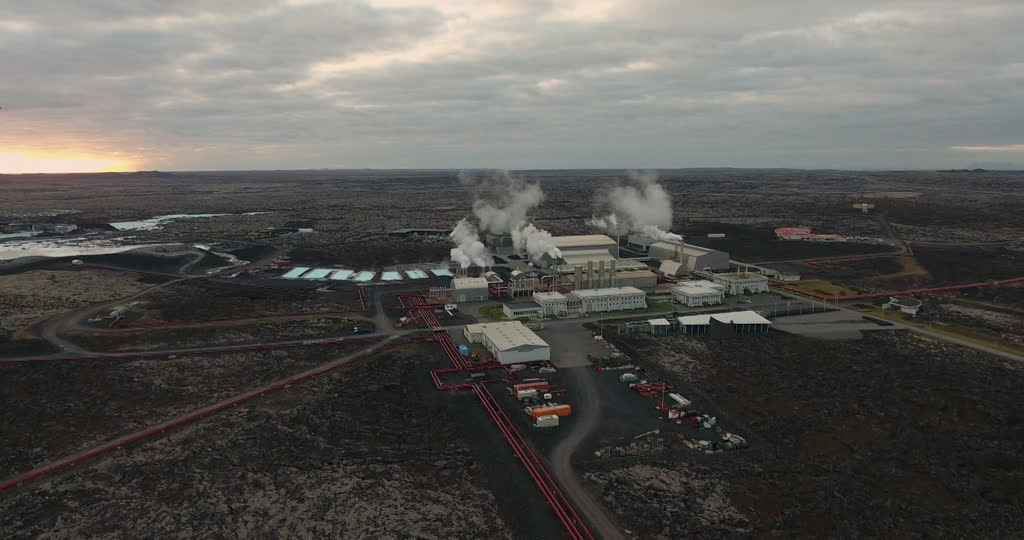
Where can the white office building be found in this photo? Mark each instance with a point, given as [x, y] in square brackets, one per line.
[608, 299]
[698, 293]
[552, 304]
[509, 342]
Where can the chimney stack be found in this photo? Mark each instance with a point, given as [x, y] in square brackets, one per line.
[590, 274]
[600, 274]
[578, 284]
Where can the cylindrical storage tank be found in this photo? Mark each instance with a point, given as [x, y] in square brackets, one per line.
[548, 420]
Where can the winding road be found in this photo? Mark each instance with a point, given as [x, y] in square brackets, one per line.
[588, 416]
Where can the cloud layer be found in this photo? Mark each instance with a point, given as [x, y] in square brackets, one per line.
[514, 83]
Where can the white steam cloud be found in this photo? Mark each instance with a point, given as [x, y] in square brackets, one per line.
[469, 250]
[506, 211]
[535, 242]
[641, 206]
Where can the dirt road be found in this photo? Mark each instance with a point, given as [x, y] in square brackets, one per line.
[587, 419]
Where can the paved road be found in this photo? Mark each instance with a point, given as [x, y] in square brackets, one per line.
[929, 333]
[588, 416]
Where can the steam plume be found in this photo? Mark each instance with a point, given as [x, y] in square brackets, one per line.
[504, 208]
[641, 206]
[469, 250]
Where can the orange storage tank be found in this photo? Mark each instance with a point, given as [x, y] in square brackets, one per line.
[559, 410]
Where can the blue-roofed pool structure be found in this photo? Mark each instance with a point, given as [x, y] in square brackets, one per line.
[364, 276]
[342, 274]
[416, 274]
[318, 273]
[391, 276]
[295, 272]
[442, 272]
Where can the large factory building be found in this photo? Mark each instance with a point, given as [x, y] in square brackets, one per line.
[509, 342]
[690, 257]
[608, 299]
[585, 242]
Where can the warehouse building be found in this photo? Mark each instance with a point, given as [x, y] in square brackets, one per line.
[721, 324]
[509, 342]
[742, 282]
[690, 256]
[470, 289]
[608, 299]
[639, 242]
[552, 304]
[694, 324]
[698, 293]
[585, 242]
[659, 327]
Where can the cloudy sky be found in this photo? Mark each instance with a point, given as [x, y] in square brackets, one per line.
[257, 84]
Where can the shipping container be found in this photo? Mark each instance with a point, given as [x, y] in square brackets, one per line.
[539, 386]
[548, 420]
[558, 410]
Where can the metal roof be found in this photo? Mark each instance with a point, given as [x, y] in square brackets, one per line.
[659, 322]
[507, 336]
[741, 317]
[608, 291]
[469, 283]
[583, 256]
[701, 286]
[548, 296]
[741, 276]
[581, 241]
[693, 320]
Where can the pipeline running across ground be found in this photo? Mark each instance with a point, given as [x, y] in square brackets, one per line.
[575, 526]
[202, 413]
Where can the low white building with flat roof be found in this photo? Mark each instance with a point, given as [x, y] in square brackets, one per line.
[509, 342]
[522, 311]
[470, 289]
[552, 304]
[698, 293]
[608, 299]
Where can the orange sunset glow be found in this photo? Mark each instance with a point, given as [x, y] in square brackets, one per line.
[48, 163]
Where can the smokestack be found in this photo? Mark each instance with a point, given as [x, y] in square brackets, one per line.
[600, 274]
[590, 274]
[611, 277]
[579, 277]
